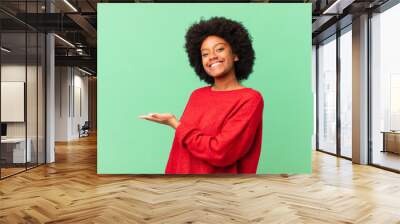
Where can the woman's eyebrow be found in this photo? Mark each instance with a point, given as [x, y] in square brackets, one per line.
[219, 44]
[213, 46]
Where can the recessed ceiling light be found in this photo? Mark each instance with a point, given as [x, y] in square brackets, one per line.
[337, 7]
[64, 40]
[70, 5]
[84, 71]
[5, 50]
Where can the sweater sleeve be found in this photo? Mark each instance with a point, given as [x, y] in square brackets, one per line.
[232, 142]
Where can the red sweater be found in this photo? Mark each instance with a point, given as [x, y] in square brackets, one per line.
[220, 132]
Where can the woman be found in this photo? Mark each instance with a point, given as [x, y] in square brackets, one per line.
[220, 130]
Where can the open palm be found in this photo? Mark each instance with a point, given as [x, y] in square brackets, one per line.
[165, 118]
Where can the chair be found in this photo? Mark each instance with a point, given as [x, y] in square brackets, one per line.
[84, 130]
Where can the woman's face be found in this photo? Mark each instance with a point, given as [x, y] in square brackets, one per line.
[217, 57]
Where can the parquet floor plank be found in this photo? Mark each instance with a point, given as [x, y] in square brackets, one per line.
[70, 191]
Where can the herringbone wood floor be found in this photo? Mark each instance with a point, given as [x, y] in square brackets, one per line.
[69, 191]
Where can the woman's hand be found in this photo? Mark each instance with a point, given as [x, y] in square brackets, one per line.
[167, 119]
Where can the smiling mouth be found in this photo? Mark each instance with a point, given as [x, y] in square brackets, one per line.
[215, 64]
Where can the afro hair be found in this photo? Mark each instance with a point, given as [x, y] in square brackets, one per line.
[232, 32]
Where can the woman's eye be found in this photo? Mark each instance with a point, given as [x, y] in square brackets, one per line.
[204, 55]
[220, 49]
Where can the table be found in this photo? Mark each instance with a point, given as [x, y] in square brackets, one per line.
[391, 141]
[15, 148]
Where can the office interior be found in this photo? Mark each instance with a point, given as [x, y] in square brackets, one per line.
[49, 76]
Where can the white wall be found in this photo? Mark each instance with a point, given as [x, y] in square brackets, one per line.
[62, 81]
[80, 111]
[15, 72]
[71, 102]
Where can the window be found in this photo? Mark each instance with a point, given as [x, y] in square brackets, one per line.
[327, 95]
[346, 92]
[385, 88]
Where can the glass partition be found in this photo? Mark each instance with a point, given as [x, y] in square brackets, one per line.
[14, 153]
[22, 77]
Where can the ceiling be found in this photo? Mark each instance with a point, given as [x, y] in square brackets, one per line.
[76, 22]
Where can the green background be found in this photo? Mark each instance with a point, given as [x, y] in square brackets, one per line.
[143, 67]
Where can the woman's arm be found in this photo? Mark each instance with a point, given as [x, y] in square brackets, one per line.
[234, 140]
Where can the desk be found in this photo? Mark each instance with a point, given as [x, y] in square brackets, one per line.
[17, 150]
[391, 141]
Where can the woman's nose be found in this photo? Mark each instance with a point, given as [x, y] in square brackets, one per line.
[212, 56]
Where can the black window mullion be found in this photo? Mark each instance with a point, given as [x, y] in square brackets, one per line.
[0, 95]
[37, 90]
[26, 86]
[317, 96]
[45, 94]
[338, 78]
[369, 88]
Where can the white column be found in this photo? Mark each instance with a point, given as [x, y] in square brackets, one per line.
[360, 90]
[50, 92]
[50, 100]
